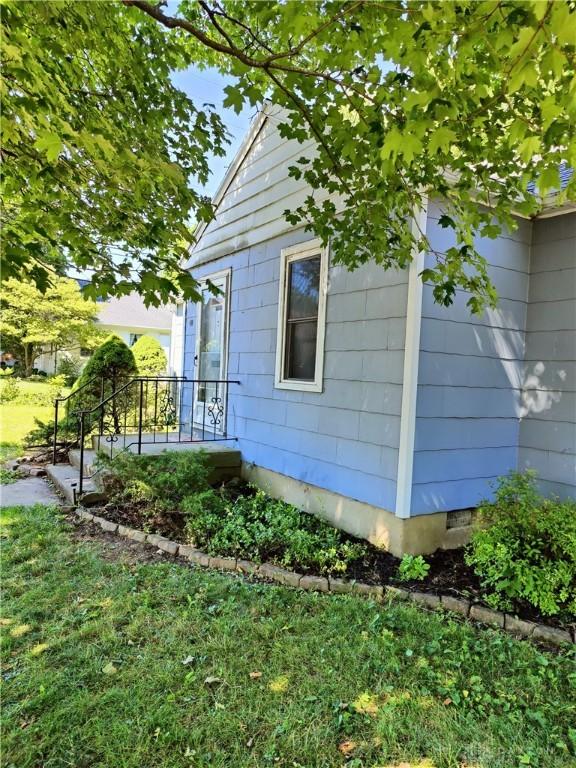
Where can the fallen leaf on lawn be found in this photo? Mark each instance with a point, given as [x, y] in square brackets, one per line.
[188, 660]
[109, 669]
[255, 675]
[366, 704]
[279, 685]
[213, 680]
[250, 742]
[347, 747]
[446, 702]
[20, 630]
[39, 648]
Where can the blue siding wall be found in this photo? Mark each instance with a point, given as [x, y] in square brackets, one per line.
[548, 427]
[344, 439]
[470, 380]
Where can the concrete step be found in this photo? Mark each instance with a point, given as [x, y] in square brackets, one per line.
[66, 478]
[89, 460]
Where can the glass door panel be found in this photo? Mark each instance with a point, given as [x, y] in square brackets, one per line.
[211, 357]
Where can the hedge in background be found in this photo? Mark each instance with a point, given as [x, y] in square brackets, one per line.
[149, 356]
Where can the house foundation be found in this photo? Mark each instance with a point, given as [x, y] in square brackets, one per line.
[414, 535]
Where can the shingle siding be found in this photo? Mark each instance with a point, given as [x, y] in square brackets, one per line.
[344, 439]
[548, 427]
[478, 411]
[470, 380]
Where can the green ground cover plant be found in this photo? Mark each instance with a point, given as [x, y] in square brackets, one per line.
[8, 476]
[525, 547]
[114, 662]
[224, 521]
[413, 567]
[161, 481]
[261, 528]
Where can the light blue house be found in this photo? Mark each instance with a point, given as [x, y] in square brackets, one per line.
[359, 398]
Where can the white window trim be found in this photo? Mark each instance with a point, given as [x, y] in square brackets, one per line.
[287, 256]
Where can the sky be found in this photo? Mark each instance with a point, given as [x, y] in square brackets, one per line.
[208, 86]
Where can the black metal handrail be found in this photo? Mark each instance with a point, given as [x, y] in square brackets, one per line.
[59, 400]
[160, 409]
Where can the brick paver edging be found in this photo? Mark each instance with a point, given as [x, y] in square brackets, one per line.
[466, 608]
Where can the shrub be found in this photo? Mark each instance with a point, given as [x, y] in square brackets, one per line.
[149, 356]
[70, 368]
[6, 372]
[162, 479]
[413, 568]
[261, 528]
[114, 363]
[9, 390]
[526, 547]
[43, 431]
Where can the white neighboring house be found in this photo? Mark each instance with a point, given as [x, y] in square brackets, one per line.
[129, 318]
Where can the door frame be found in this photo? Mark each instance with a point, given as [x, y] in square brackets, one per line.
[225, 276]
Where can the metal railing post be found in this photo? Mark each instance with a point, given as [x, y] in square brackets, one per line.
[101, 422]
[55, 431]
[81, 481]
[225, 419]
[140, 417]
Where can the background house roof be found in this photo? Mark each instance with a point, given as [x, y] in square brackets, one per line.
[130, 311]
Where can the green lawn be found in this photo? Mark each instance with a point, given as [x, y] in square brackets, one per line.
[17, 417]
[15, 423]
[110, 661]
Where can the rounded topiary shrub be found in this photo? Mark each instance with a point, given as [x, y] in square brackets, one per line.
[149, 356]
[111, 367]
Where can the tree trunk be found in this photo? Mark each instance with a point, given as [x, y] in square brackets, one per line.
[30, 354]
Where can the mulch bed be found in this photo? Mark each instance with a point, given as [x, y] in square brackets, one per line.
[448, 575]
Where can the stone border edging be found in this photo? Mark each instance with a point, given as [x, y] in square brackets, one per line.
[462, 606]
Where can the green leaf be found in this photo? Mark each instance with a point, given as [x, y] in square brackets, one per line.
[392, 144]
[528, 148]
[548, 180]
[50, 144]
[441, 139]
[233, 99]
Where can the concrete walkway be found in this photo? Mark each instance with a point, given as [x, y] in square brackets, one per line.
[26, 492]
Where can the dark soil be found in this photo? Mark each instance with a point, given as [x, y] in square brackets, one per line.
[448, 574]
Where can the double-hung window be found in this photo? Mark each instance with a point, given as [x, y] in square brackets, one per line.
[301, 317]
